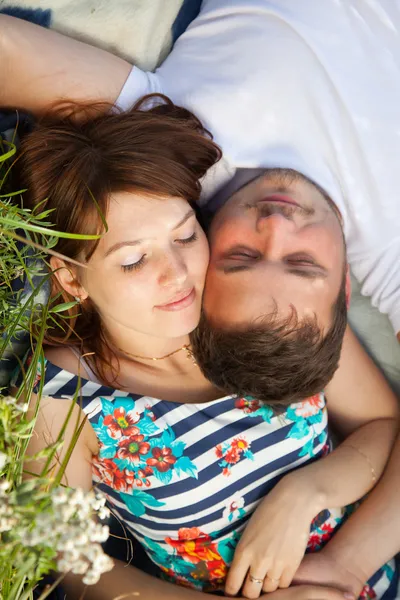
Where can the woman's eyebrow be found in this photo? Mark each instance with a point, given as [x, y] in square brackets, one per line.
[119, 245]
[189, 214]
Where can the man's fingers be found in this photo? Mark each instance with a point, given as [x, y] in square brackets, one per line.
[311, 592]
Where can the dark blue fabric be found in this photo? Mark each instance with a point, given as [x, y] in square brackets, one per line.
[189, 11]
[34, 15]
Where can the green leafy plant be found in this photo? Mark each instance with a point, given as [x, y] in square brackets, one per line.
[44, 527]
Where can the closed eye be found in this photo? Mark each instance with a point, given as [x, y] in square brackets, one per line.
[134, 266]
[188, 240]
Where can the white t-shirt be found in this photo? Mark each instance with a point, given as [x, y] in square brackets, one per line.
[310, 85]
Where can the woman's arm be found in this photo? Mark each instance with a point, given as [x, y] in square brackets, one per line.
[39, 66]
[365, 412]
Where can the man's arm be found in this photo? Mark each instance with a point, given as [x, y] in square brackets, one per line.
[39, 66]
[371, 536]
[366, 541]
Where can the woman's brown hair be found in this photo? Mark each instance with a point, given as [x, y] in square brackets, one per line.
[71, 163]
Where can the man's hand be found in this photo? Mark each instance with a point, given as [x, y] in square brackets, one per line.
[320, 569]
[309, 592]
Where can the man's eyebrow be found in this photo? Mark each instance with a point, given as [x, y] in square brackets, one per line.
[304, 273]
[119, 245]
[307, 273]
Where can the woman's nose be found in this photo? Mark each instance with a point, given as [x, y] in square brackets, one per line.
[174, 271]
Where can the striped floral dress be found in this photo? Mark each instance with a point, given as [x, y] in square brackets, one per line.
[185, 478]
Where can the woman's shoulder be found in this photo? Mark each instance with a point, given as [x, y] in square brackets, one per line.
[66, 359]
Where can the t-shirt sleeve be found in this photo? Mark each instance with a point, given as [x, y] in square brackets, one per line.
[379, 275]
[138, 84]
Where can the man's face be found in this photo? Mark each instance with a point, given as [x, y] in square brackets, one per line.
[277, 243]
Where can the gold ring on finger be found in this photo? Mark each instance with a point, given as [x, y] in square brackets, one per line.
[255, 579]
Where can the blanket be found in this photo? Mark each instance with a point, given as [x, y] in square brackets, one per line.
[138, 30]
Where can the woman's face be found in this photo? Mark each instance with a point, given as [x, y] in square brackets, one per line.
[147, 273]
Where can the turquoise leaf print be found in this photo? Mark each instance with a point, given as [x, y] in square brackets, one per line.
[178, 448]
[157, 551]
[167, 437]
[185, 464]
[248, 454]
[138, 500]
[299, 430]
[292, 416]
[165, 477]
[123, 463]
[102, 433]
[121, 402]
[226, 550]
[388, 570]
[107, 407]
[265, 412]
[108, 452]
[308, 449]
[317, 418]
[147, 427]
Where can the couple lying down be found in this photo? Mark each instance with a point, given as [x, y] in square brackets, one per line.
[209, 484]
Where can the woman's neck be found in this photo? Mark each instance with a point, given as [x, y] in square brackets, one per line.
[146, 349]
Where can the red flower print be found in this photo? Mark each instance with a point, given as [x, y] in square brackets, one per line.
[162, 460]
[368, 593]
[133, 448]
[314, 542]
[232, 456]
[189, 533]
[226, 472]
[150, 413]
[240, 444]
[106, 471]
[247, 405]
[310, 406]
[143, 475]
[121, 424]
[218, 451]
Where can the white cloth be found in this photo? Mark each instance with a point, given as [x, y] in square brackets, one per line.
[137, 30]
[313, 86]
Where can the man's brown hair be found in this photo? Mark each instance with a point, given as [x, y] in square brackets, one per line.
[77, 156]
[278, 361]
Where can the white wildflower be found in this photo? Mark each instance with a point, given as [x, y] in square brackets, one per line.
[4, 486]
[3, 460]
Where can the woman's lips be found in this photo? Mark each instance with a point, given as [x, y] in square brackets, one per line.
[279, 198]
[183, 300]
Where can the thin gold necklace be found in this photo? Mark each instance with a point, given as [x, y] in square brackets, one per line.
[186, 347]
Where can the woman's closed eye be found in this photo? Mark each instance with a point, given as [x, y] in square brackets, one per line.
[134, 266]
[188, 240]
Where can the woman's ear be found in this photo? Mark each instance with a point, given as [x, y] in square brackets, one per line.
[66, 275]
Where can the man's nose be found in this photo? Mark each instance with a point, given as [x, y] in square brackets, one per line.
[275, 230]
[173, 271]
